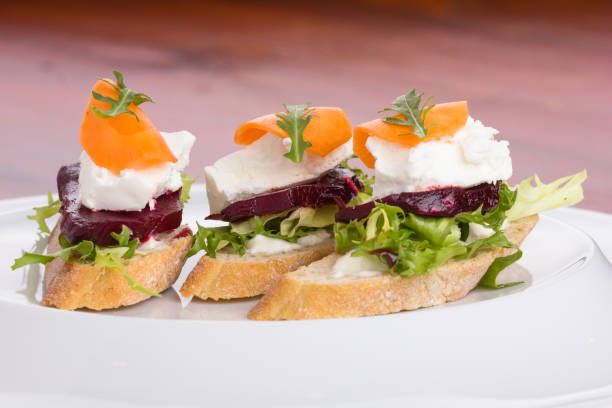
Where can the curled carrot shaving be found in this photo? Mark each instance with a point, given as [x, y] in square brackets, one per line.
[121, 142]
[327, 130]
[447, 117]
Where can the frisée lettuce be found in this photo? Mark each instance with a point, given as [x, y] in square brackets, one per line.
[411, 245]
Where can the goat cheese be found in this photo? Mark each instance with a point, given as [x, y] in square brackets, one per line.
[469, 157]
[261, 167]
[131, 190]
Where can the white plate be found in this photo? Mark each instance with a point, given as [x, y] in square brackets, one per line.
[546, 343]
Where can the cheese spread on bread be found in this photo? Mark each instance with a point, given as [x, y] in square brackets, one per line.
[348, 266]
[264, 245]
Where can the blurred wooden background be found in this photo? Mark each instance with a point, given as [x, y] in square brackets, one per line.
[542, 76]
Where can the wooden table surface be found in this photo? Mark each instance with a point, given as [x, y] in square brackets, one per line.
[545, 83]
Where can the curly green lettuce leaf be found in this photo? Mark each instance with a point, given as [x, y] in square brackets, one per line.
[489, 279]
[420, 244]
[294, 121]
[532, 199]
[87, 252]
[124, 242]
[249, 225]
[47, 211]
[285, 226]
[83, 251]
[216, 238]
[409, 106]
[308, 217]
[187, 183]
[112, 259]
[120, 105]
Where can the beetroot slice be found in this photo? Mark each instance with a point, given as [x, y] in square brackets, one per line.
[444, 202]
[338, 184]
[80, 223]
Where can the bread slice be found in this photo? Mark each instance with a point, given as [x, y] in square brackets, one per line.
[231, 276]
[312, 292]
[71, 285]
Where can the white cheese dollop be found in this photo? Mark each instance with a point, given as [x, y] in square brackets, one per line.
[131, 190]
[263, 245]
[470, 157]
[261, 166]
[367, 266]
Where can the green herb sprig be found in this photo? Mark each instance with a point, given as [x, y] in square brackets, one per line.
[294, 121]
[119, 105]
[409, 106]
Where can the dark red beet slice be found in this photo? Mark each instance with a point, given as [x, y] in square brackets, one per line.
[444, 202]
[338, 183]
[80, 223]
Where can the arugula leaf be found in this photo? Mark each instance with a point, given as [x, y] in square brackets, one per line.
[409, 106]
[83, 250]
[120, 105]
[44, 212]
[187, 182]
[294, 121]
[541, 197]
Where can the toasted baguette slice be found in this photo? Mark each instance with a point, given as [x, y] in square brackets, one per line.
[231, 276]
[312, 292]
[71, 285]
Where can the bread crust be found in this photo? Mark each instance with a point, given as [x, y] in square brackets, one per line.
[70, 285]
[306, 294]
[231, 276]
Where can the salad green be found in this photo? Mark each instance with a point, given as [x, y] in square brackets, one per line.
[411, 245]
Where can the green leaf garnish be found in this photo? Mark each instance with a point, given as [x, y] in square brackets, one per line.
[111, 257]
[123, 241]
[286, 226]
[83, 250]
[213, 239]
[541, 197]
[187, 182]
[121, 104]
[294, 121]
[44, 212]
[499, 264]
[409, 106]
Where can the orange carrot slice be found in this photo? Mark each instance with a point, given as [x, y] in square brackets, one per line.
[121, 142]
[327, 130]
[448, 118]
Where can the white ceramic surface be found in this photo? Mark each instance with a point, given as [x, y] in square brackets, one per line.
[543, 344]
